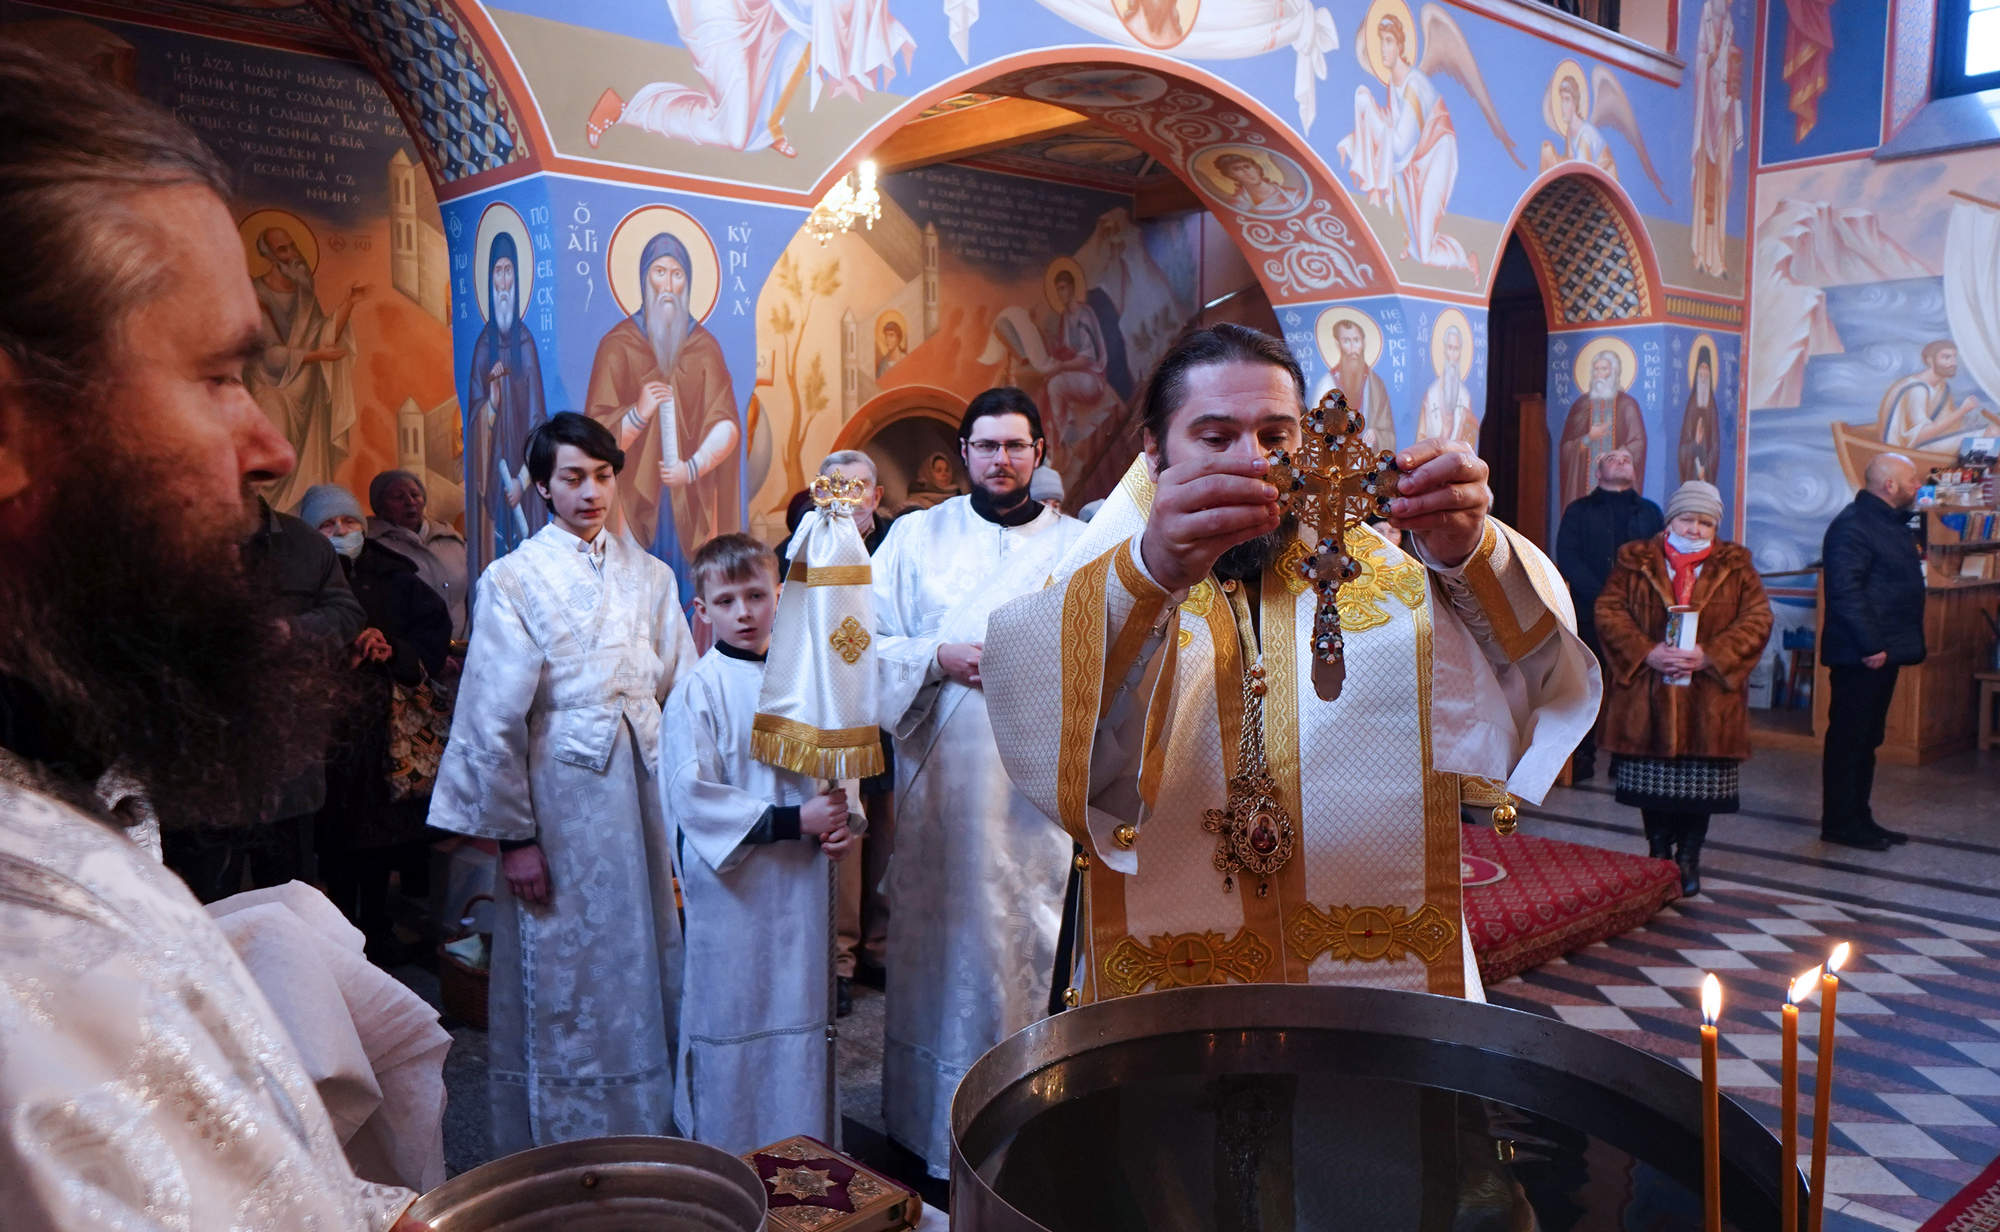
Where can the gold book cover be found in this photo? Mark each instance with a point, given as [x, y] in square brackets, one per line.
[814, 1188]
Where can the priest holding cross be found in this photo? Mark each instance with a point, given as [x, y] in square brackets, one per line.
[1268, 715]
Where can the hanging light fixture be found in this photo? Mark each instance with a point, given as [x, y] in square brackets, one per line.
[852, 199]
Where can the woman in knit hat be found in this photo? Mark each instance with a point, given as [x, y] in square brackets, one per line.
[1676, 747]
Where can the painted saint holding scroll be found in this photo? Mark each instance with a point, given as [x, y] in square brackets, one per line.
[1238, 827]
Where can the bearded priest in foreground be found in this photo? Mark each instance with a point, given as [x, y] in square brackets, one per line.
[1235, 827]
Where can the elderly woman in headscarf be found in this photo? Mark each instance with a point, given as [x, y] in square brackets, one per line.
[1676, 722]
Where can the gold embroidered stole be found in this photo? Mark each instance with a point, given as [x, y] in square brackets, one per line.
[1281, 934]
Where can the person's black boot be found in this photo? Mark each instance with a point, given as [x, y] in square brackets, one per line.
[1659, 839]
[1689, 858]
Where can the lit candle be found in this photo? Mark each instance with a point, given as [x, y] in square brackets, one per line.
[1711, 1107]
[1829, 987]
[1788, 1100]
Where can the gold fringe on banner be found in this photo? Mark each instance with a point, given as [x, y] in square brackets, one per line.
[776, 750]
[845, 753]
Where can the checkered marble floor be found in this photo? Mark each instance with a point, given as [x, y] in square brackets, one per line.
[1917, 1068]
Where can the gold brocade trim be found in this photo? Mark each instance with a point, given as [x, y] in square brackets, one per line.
[1199, 598]
[846, 753]
[1372, 934]
[1361, 600]
[848, 639]
[1185, 637]
[1133, 578]
[1082, 690]
[1515, 642]
[1482, 792]
[1443, 882]
[1284, 680]
[1186, 960]
[1292, 566]
[1138, 485]
[839, 575]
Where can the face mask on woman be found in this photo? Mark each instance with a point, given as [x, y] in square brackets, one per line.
[349, 545]
[1681, 543]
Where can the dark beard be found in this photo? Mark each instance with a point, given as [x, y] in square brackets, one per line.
[994, 508]
[147, 644]
[1247, 561]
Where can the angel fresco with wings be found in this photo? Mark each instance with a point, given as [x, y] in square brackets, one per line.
[1581, 113]
[1403, 150]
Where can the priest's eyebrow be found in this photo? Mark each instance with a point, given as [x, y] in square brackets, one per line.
[1223, 417]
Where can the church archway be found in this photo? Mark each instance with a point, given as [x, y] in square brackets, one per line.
[906, 430]
[1259, 201]
[1577, 257]
[1589, 251]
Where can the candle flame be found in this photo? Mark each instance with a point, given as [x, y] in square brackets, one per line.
[1711, 1000]
[1839, 958]
[1802, 987]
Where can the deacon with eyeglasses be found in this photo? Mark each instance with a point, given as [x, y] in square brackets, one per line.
[976, 887]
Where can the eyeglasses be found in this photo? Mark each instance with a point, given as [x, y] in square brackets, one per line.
[986, 449]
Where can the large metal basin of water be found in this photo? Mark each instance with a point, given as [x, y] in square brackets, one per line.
[1274, 1108]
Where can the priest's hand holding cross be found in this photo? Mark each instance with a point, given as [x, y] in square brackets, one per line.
[1213, 494]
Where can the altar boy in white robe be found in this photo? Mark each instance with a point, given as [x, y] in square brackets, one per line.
[748, 836]
[577, 638]
[976, 886]
[1158, 698]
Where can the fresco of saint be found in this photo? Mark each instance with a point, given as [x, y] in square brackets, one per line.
[891, 343]
[1255, 192]
[1602, 419]
[1077, 391]
[1404, 149]
[504, 393]
[303, 378]
[1718, 132]
[1447, 410]
[1701, 424]
[752, 56]
[659, 383]
[1351, 370]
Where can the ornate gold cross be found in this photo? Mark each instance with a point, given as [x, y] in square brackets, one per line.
[834, 490]
[1332, 483]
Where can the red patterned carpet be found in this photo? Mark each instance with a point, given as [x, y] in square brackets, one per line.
[1530, 899]
[1976, 1208]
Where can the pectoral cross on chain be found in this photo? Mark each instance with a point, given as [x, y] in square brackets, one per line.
[1332, 483]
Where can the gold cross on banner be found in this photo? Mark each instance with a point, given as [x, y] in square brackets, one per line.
[1332, 483]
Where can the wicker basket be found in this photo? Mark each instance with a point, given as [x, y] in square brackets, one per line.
[461, 986]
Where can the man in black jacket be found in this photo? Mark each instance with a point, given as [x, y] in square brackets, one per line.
[1874, 626]
[1594, 527]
